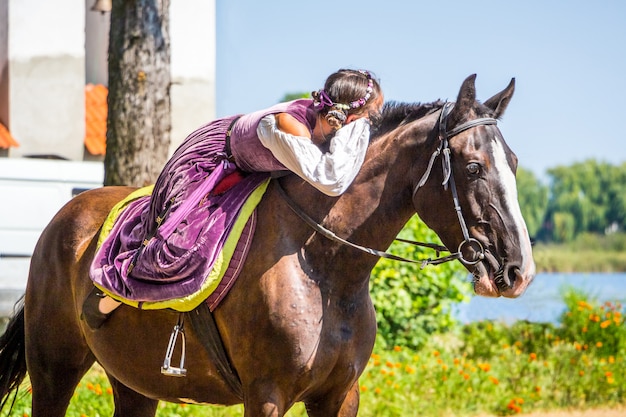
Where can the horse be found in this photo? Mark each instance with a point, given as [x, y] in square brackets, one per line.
[298, 325]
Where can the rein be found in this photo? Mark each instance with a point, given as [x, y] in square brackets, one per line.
[443, 148]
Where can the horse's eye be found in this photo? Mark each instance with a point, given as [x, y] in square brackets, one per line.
[473, 168]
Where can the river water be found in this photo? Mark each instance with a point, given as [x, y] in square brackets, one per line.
[543, 301]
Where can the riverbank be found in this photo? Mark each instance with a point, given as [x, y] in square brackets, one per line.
[568, 258]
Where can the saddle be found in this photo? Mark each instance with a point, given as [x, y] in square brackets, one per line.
[179, 270]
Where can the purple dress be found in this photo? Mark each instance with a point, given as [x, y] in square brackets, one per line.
[183, 223]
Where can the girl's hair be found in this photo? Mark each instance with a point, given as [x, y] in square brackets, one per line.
[346, 92]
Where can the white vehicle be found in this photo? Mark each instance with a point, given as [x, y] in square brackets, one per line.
[31, 193]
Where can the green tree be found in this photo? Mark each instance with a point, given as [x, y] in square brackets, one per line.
[294, 96]
[592, 193]
[412, 303]
[533, 200]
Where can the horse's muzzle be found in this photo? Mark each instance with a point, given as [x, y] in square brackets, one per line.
[493, 279]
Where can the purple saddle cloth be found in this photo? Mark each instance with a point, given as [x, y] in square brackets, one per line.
[176, 261]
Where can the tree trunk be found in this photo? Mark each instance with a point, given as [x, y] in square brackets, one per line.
[139, 119]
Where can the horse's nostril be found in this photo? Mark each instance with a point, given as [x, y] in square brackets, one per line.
[505, 278]
[511, 273]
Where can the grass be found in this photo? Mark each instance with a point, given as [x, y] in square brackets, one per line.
[482, 368]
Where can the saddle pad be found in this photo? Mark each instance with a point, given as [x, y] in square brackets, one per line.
[230, 254]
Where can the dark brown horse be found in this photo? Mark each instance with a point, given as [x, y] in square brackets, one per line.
[299, 324]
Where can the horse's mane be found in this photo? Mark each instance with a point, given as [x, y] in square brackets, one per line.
[394, 114]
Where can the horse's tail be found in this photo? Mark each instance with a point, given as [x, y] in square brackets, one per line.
[12, 356]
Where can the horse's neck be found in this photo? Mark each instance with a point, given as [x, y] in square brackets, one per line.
[371, 213]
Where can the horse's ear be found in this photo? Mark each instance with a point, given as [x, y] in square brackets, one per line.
[465, 100]
[500, 101]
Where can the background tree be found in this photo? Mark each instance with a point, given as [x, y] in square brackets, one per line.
[533, 200]
[294, 96]
[587, 197]
[139, 118]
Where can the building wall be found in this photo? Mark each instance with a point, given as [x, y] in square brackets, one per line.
[46, 53]
[50, 50]
[193, 50]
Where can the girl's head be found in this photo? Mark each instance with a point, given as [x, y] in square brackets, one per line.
[349, 95]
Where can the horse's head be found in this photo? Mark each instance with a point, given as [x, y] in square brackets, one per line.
[478, 213]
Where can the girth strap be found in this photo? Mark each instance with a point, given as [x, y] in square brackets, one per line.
[204, 326]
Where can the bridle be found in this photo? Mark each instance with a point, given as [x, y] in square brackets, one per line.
[448, 179]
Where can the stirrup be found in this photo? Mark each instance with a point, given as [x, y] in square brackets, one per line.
[166, 369]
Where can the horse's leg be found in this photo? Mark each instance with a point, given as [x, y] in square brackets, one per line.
[53, 380]
[129, 403]
[56, 353]
[263, 401]
[330, 405]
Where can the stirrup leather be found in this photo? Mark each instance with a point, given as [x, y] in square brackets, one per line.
[167, 369]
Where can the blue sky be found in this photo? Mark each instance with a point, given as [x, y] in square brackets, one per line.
[568, 58]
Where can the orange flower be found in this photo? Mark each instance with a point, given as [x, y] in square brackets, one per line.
[484, 367]
[514, 407]
[436, 353]
[397, 348]
[599, 344]
[409, 370]
[533, 356]
[363, 388]
[581, 373]
[377, 390]
[605, 324]
[494, 380]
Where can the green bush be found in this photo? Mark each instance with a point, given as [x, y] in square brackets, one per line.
[413, 303]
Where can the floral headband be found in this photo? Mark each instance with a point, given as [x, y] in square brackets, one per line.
[326, 101]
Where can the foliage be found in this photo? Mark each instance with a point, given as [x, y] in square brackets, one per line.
[294, 96]
[592, 325]
[413, 303]
[484, 368]
[533, 200]
[585, 197]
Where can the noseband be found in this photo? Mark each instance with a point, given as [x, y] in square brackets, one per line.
[442, 149]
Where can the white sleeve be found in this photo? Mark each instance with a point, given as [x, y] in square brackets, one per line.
[331, 172]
